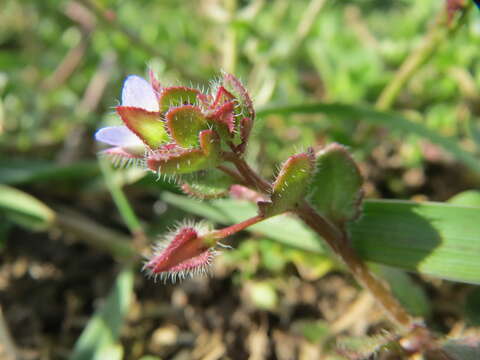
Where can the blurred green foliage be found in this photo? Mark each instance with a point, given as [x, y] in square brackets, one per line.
[62, 64]
[347, 54]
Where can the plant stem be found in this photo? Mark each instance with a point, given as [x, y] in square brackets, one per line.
[232, 173]
[251, 177]
[230, 230]
[438, 34]
[338, 241]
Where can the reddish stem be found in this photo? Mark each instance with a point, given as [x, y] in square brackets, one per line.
[337, 240]
[232, 173]
[230, 230]
[253, 179]
[339, 244]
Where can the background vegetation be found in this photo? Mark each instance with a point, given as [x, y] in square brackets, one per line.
[403, 85]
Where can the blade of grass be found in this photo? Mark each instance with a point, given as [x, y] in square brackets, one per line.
[439, 33]
[126, 211]
[22, 171]
[431, 238]
[24, 209]
[387, 119]
[103, 330]
[94, 234]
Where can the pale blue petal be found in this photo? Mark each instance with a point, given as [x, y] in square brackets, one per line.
[117, 136]
[139, 93]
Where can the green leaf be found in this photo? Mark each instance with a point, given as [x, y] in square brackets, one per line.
[185, 123]
[437, 239]
[147, 125]
[103, 330]
[431, 238]
[466, 198]
[388, 119]
[335, 189]
[24, 209]
[283, 228]
[290, 185]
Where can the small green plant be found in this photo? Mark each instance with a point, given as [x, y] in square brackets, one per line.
[198, 139]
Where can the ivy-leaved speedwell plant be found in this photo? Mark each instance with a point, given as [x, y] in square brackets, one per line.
[199, 140]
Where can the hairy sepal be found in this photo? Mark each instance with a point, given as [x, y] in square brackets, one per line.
[181, 253]
[120, 158]
[175, 96]
[222, 119]
[207, 184]
[147, 125]
[174, 160]
[335, 189]
[244, 111]
[290, 185]
[185, 123]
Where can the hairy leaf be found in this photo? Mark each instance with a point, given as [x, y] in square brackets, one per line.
[290, 185]
[335, 189]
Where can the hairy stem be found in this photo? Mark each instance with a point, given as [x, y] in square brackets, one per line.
[232, 173]
[253, 180]
[230, 230]
[338, 241]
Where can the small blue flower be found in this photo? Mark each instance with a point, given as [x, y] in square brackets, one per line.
[138, 93]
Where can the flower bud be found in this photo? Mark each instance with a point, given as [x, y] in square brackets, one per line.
[182, 253]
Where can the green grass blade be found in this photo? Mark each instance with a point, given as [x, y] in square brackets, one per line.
[103, 330]
[431, 238]
[410, 294]
[466, 198]
[387, 119]
[126, 211]
[24, 209]
[21, 171]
